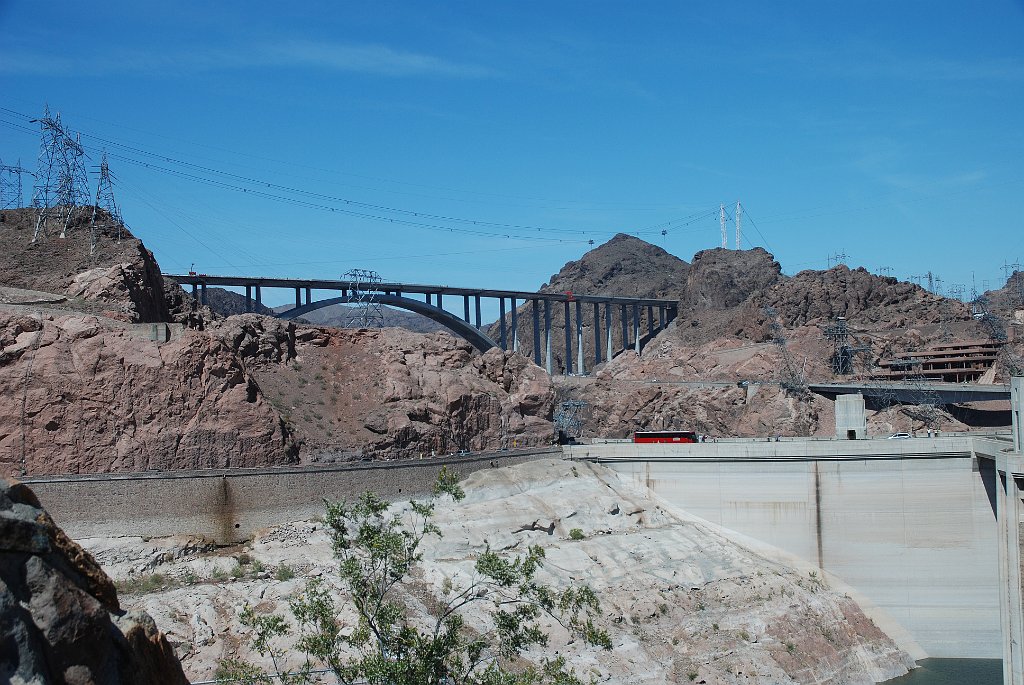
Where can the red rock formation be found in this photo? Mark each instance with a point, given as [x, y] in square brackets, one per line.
[80, 395]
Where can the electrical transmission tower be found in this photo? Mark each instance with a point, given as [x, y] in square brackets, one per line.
[842, 351]
[790, 378]
[739, 229]
[837, 259]
[885, 271]
[368, 312]
[10, 185]
[721, 221]
[62, 184]
[104, 203]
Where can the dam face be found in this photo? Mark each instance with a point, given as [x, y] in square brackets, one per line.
[909, 524]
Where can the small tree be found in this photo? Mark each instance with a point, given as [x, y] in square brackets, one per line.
[376, 551]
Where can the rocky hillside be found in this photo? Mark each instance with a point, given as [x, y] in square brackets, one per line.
[121, 276]
[61, 618]
[683, 600]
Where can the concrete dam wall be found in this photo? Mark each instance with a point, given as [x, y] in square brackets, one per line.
[908, 523]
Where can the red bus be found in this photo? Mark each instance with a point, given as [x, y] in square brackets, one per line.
[665, 436]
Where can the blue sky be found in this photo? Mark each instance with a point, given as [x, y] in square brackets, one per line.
[486, 143]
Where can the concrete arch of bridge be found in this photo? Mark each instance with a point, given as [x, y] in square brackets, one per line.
[453, 323]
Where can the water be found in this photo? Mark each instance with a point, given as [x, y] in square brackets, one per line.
[953, 672]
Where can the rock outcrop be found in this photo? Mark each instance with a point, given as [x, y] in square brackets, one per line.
[60, 621]
[121, 275]
[81, 394]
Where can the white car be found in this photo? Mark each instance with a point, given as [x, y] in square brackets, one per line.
[899, 436]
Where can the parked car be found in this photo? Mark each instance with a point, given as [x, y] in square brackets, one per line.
[899, 436]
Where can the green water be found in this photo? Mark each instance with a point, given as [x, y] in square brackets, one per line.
[953, 672]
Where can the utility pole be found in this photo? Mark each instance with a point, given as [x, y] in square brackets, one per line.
[885, 271]
[739, 228]
[721, 221]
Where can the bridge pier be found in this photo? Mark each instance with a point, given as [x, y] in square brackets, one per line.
[536, 332]
[625, 329]
[309, 295]
[259, 297]
[597, 333]
[650, 321]
[248, 298]
[636, 327]
[580, 365]
[568, 342]
[465, 302]
[477, 302]
[515, 327]
[608, 351]
[298, 298]
[503, 341]
[205, 300]
[547, 336]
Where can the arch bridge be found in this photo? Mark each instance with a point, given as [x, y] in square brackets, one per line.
[597, 310]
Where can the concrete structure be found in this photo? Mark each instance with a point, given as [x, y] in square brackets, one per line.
[851, 419]
[928, 531]
[229, 505]
[910, 393]
[432, 306]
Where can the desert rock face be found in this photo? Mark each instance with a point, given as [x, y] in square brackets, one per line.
[60, 621]
[720, 278]
[80, 395]
[679, 595]
[391, 393]
[122, 276]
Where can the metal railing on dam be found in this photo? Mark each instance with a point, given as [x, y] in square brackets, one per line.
[909, 524]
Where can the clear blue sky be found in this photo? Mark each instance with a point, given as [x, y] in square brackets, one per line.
[890, 131]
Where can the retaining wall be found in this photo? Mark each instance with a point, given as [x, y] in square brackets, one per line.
[230, 505]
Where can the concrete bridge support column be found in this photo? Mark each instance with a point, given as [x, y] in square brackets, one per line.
[248, 298]
[477, 302]
[1017, 412]
[515, 326]
[202, 289]
[439, 302]
[568, 341]
[636, 327]
[309, 295]
[536, 333]
[465, 308]
[429, 299]
[259, 297]
[580, 366]
[661, 318]
[608, 331]
[195, 292]
[625, 329]
[597, 333]
[547, 336]
[502, 340]
[298, 298]
[650, 321]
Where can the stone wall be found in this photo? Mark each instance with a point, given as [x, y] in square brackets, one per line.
[229, 505]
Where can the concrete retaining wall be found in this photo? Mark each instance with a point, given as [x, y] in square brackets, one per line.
[908, 523]
[230, 505]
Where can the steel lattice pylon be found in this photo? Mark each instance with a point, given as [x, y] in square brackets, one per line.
[10, 185]
[790, 378]
[62, 184]
[104, 203]
[367, 312]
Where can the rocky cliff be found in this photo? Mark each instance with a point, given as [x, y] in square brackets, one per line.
[120, 276]
[60, 619]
